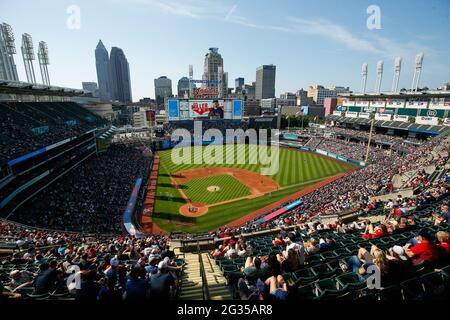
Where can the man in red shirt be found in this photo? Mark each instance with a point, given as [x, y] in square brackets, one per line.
[424, 250]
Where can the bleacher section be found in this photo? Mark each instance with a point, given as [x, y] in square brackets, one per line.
[28, 126]
[322, 278]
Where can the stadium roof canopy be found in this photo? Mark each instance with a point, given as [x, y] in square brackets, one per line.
[401, 95]
[19, 87]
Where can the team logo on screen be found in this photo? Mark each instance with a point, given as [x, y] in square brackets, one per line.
[200, 108]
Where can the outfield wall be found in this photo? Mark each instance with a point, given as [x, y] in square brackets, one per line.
[359, 164]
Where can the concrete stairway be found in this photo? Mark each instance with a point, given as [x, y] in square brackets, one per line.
[191, 282]
[217, 284]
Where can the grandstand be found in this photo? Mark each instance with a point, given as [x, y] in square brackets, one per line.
[70, 204]
[78, 217]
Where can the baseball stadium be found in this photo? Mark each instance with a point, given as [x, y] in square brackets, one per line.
[217, 193]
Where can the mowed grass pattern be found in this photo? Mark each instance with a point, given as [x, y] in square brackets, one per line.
[297, 170]
[230, 188]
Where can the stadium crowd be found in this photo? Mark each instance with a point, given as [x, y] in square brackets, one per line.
[17, 120]
[92, 197]
[95, 268]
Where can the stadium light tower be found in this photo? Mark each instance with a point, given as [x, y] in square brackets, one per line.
[191, 77]
[380, 65]
[8, 70]
[397, 69]
[219, 80]
[417, 72]
[44, 62]
[28, 57]
[364, 71]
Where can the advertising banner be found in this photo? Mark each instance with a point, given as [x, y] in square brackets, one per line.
[383, 116]
[446, 122]
[401, 118]
[173, 110]
[206, 92]
[351, 114]
[433, 121]
[364, 115]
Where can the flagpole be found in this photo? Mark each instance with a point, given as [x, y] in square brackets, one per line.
[370, 138]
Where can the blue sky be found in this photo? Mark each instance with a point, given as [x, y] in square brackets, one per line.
[310, 42]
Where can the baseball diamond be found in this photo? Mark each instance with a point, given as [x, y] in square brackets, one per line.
[239, 184]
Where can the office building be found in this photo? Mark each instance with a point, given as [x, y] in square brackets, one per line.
[213, 70]
[101, 64]
[265, 82]
[163, 89]
[119, 72]
[183, 87]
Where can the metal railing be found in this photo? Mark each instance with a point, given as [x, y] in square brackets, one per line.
[205, 289]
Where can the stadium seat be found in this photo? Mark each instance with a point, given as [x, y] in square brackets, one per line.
[304, 276]
[350, 280]
[392, 293]
[308, 292]
[329, 288]
[413, 289]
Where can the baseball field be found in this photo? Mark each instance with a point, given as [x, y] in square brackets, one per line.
[194, 196]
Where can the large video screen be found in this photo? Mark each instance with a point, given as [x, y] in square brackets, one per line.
[179, 109]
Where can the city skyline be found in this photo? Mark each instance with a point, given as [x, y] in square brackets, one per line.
[327, 46]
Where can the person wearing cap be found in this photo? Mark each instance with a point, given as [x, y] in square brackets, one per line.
[160, 284]
[424, 250]
[136, 286]
[20, 279]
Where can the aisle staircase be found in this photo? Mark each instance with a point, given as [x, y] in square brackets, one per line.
[217, 284]
[192, 283]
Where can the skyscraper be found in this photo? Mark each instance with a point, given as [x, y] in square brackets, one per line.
[238, 83]
[163, 88]
[119, 75]
[101, 63]
[213, 70]
[183, 86]
[265, 82]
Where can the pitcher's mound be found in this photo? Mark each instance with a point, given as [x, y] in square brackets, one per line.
[195, 209]
[213, 188]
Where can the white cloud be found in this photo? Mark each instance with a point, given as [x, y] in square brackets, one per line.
[332, 32]
[233, 8]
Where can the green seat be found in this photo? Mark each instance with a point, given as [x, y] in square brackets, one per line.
[436, 283]
[392, 293]
[413, 289]
[350, 280]
[304, 276]
[327, 255]
[233, 276]
[322, 271]
[329, 288]
[44, 296]
[228, 268]
[307, 292]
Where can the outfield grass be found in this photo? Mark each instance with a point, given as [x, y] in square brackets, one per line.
[297, 170]
[230, 188]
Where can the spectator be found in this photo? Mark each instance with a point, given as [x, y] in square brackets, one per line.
[162, 283]
[424, 250]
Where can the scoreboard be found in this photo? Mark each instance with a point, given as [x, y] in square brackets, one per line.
[191, 109]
